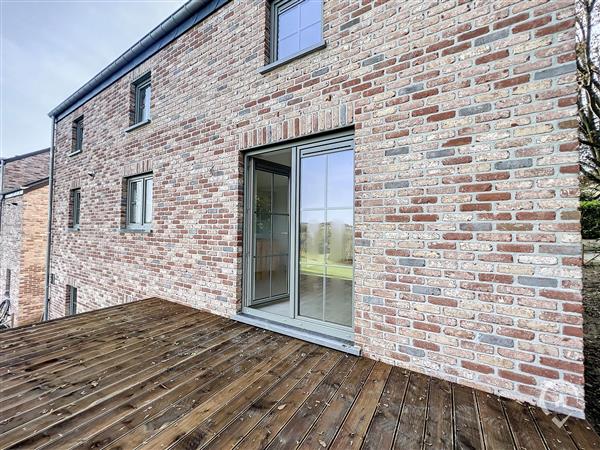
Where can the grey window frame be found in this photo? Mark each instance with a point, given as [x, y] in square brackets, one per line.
[277, 7]
[72, 305]
[143, 225]
[75, 208]
[143, 82]
[77, 135]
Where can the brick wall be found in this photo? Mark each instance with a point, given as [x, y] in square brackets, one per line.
[33, 256]
[10, 243]
[23, 238]
[467, 232]
[23, 170]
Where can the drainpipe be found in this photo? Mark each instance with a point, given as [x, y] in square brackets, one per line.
[49, 234]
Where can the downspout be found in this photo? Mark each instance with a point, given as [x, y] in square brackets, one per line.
[49, 234]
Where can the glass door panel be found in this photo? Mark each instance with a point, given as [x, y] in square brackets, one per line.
[326, 237]
[271, 223]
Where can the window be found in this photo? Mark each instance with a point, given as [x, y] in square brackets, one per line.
[77, 135]
[71, 307]
[139, 202]
[296, 26]
[7, 283]
[142, 93]
[75, 208]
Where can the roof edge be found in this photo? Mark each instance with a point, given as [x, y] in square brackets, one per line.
[25, 155]
[190, 14]
[26, 187]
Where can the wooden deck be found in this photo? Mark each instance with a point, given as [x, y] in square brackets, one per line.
[154, 375]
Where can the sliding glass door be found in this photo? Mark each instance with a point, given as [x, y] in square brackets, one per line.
[326, 236]
[299, 233]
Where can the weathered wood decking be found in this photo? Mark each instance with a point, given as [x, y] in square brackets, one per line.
[154, 374]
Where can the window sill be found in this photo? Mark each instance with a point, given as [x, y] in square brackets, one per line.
[72, 229]
[135, 126]
[280, 62]
[135, 230]
[76, 152]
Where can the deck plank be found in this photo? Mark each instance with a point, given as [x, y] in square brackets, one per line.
[381, 432]
[523, 427]
[13, 358]
[154, 374]
[352, 432]
[171, 427]
[554, 436]
[271, 388]
[25, 337]
[467, 430]
[114, 416]
[583, 434]
[325, 428]
[411, 426]
[56, 367]
[272, 409]
[496, 431]
[439, 427]
[274, 433]
[57, 394]
[48, 413]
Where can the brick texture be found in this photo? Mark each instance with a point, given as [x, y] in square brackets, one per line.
[34, 237]
[23, 238]
[18, 172]
[467, 243]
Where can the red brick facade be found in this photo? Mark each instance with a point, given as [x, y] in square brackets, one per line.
[23, 237]
[467, 243]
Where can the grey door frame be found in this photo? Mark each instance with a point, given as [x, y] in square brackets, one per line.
[318, 145]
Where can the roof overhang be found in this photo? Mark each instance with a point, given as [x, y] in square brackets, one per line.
[26, 188]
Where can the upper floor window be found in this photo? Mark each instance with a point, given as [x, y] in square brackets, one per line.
[142, 93]
[71, 306]
[77, 135]
[139, 202]
[75, 208]
[297, 25]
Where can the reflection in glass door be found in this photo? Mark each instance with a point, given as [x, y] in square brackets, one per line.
[271, 218]
[326, 236]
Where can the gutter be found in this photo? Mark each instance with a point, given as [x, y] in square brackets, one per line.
[49, 233]
[190, 14]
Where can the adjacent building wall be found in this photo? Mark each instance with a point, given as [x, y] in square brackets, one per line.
[34, 236]
[24, 169]
[467, 232]
[10, 243]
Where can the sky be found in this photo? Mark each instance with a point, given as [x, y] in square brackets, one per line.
[48, 49]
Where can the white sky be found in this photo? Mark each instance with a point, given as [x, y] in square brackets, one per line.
[48, 49]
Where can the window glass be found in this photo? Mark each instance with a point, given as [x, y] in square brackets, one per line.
[143, 90]
[139, 201]
[299, 26]
[135, 202]
[73, 300]
[148, 201]
[76, 207]
[77, 135]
